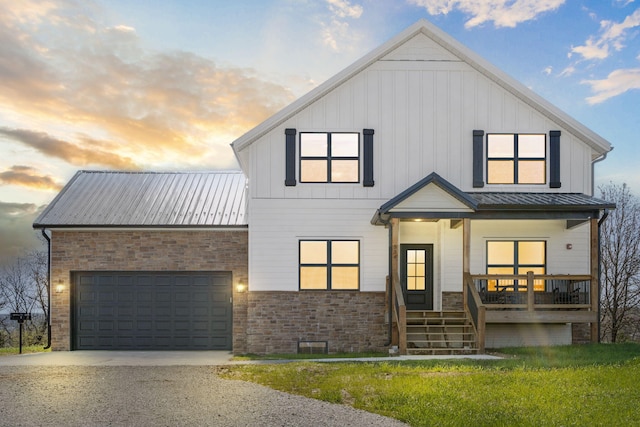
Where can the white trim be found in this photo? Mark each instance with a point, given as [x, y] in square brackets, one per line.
[149, 229]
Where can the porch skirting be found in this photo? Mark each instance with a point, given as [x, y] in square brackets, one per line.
[531, 334]
[267, 322]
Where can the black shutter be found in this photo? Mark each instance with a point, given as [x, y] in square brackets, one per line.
[554, 159]
[290, 161]
[478, 159]
[367, 157]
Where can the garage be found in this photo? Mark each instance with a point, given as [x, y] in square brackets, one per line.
[152, 311]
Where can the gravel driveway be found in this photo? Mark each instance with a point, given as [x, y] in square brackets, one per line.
[157, 396]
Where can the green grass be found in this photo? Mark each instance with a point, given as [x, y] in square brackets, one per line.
[8, 351]
[574, 385]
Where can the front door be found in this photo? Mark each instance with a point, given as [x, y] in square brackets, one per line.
[416, 276]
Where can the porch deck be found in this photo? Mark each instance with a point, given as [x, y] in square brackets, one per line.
[495, 299]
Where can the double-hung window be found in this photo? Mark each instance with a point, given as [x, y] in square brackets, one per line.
[511, 257]
[329, 157]
[329, 264]
[516, 159]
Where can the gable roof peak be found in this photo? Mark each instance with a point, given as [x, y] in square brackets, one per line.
[447, 42]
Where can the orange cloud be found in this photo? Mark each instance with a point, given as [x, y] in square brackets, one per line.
[26, 176]
[72, 153]
[99, 80]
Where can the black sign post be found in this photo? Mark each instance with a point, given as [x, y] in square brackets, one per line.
[20, 318]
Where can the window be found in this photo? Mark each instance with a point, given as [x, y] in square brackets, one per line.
[516, 159]
[516, 257]
[329, 264]
[330, 157]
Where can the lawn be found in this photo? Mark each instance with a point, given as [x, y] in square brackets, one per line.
[8, 351]
[574, 385]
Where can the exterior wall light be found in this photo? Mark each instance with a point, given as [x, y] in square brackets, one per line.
[241, 287]
[59, 289]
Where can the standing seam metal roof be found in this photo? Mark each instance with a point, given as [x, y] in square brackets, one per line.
[149, 199]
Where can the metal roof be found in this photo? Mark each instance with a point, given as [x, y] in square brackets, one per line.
[542, 201]
[149, 199]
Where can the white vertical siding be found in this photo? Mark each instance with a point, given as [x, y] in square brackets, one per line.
[278, 225]
[423, 114]
[560, 260]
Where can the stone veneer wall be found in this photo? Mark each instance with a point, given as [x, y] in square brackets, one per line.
[141, 250]
[580, 333]
[348, 321]
[452, 301]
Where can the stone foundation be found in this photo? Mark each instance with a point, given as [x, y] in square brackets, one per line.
[580, 333]
[452, 301]
[277, 321]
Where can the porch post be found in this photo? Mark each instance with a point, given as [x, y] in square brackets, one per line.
[466, 248]
[595, 279]
[530, 294]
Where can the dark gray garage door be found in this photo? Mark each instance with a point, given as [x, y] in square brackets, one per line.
[152, 311]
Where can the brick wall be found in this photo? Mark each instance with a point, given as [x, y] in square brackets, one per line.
[349, 321]
[152, 250]
[580, 333]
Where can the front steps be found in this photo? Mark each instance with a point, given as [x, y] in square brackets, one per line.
[440, 332]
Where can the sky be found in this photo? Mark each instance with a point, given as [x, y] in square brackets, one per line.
[169, 84]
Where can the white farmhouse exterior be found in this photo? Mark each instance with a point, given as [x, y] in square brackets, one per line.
[424, 106]
[420, 199]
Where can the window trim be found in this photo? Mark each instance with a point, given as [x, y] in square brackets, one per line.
[516, 159]
[329, 158]
[329, 265]
[516, 265]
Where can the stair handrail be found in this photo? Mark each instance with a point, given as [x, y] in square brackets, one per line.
[476, 310]
[400, 314]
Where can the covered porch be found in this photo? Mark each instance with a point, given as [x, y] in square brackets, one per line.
[474, 309]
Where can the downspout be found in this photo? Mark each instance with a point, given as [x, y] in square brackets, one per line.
[593, 172]
[44, 234]
[604, 217]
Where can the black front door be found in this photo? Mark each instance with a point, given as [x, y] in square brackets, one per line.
[416, 275]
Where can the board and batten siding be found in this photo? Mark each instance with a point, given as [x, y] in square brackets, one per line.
[560, 260]
[278, 225]
[423, 113]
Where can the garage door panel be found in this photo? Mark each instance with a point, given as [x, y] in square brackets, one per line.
[138, 311]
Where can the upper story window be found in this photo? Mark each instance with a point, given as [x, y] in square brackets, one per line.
[330, 157]
[516, 159]
[329, 264]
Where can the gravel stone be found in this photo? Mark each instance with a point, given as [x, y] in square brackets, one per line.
[158, 396]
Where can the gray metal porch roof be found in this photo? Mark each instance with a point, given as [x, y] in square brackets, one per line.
[149, 199]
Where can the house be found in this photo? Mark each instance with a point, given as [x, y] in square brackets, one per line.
[420, 198]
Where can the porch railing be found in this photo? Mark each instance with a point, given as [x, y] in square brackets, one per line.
[534, 291]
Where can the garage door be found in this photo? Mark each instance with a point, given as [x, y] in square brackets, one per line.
[152, 311]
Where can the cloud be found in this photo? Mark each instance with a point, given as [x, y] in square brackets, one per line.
[61, 67]
[616, 83]
[89, 153]
[16, 234]
[548, 70]
[612, 38]
[337, 33]
[26, 176]
[503, 13]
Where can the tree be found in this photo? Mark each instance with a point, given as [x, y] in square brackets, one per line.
[620, 263]
[24, 288]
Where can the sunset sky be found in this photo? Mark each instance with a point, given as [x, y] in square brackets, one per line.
[169, 84]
